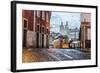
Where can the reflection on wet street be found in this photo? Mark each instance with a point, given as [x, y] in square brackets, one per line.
[44, 55]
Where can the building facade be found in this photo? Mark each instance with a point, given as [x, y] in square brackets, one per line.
[85, 35]
[36, 28]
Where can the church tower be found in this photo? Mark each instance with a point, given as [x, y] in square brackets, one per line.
[66, 28]
[62, 28]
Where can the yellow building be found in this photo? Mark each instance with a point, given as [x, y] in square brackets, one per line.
[61, 43]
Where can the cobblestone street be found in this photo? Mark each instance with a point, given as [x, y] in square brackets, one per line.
[44, 55]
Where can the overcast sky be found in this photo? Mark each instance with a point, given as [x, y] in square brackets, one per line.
[72, 18]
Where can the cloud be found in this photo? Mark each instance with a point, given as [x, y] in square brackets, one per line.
[72, 18]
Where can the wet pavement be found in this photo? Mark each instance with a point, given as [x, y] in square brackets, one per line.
[44, 55]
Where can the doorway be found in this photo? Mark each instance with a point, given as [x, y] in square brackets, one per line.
[42, 40]
[24, 38]
[25, 25]
[37, 39]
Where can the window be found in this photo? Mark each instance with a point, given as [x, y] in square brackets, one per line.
[38, 13]
[37, 27]
[42, 29]
[88, 34]
[43, 15]
[47, 31]
[25, 22]
[47, 17]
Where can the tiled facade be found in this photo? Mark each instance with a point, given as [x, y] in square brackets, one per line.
[36, 28]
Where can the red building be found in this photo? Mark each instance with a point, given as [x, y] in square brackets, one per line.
[36, 28]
